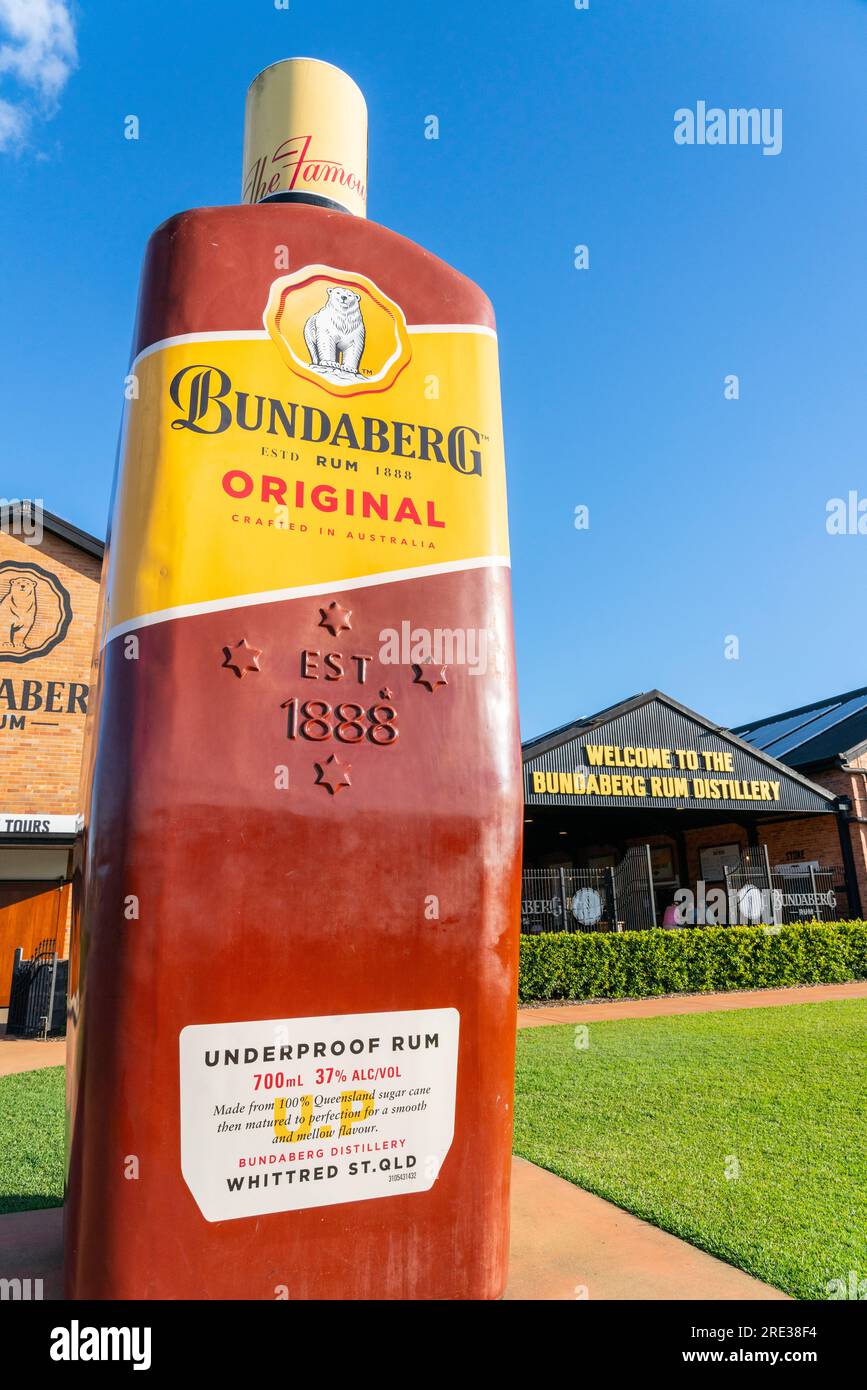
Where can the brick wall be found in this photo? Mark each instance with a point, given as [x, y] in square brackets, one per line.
[705, 837]
[802, 839]
[40, 745]
[805, 838]
[853, 785]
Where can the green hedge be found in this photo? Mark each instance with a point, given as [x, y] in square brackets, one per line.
[635, 964]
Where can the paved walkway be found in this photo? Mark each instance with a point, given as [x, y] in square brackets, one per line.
[31, 1247]
[21, 1054]
[17, 1054]
[606, 1009]
[566, 1244]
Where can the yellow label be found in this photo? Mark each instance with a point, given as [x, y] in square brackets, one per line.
[247, 471]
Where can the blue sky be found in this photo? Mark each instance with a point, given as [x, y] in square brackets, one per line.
[707, 515]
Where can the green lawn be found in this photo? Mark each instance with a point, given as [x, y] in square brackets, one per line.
[31, 1140]
[651, 1114]
[653, 1111]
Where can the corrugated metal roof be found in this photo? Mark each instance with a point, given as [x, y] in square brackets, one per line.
[658, 719]
[827, 731]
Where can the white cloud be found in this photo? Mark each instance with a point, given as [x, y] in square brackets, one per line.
[13, 125]
[38, 52]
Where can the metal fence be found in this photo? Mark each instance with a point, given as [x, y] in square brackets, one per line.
[547, 896]
[758, 892]
[617, 898]
[37, 1002]
[622, 897]
[813, 896]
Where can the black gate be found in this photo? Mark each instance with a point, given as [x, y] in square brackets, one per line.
[37, 1003]
[808, 892]
[636, 900]
[750, 892]
[619, 898]
[567, 900]
[758, 893]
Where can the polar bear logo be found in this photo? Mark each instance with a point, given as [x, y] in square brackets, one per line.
[335, 335]
[17, 613]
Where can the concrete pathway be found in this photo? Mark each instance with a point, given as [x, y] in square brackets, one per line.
[18, 1054]
[566, 1245]
[31, 1247]
[22, 1054]
[604, 1010]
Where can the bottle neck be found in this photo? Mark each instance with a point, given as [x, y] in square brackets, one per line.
[315, 200]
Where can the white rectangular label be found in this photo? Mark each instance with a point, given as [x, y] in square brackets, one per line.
[285, 1114]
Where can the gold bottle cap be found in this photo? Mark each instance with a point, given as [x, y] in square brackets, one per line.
[305, 137]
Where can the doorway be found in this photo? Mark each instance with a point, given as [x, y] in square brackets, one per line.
[29, 913]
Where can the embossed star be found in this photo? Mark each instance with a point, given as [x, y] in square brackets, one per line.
[242, 658]
[385, 693]
[431, 679]
[336, 618]
[333, 774]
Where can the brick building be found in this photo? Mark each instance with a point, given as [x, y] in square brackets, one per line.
[647, 798]
[826, 741]
[49, 586]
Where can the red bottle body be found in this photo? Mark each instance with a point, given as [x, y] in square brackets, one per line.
[233, 874]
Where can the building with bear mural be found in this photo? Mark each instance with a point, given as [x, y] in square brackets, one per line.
[49, 586]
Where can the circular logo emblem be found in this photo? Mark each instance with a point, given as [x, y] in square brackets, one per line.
[750, 904]
[338, 329]
[587, 907]
[35, 611]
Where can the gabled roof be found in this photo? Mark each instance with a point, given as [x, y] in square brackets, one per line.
[828, 731]
[36, 513]
[67, 532]
[542, 742]
[536, 750]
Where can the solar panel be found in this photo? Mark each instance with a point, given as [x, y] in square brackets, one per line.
[751, 736]
[827, 720]
[768, 734]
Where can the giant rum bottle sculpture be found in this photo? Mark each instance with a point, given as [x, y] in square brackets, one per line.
[295, 947]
